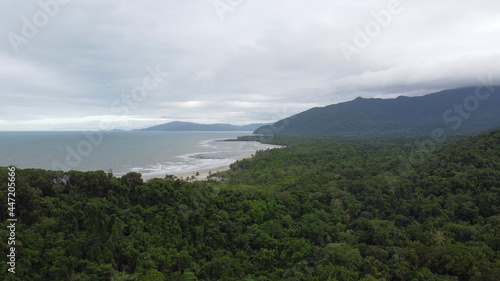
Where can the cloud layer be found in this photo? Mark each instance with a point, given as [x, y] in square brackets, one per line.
[67, 65]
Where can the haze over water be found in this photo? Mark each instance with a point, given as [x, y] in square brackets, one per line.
[148, 153]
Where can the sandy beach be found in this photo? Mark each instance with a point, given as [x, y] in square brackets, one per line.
[204, 173]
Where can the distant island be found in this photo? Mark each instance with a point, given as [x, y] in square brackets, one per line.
[190, 126]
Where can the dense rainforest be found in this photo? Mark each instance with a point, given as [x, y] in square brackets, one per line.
[318, 209]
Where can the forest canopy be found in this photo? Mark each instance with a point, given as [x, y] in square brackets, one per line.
[318, 209]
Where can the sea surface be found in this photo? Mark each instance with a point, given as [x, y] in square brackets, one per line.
[148, 153]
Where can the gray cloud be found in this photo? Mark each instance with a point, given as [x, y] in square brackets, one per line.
[264, 62]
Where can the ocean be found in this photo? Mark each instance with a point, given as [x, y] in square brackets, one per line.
[148, 153]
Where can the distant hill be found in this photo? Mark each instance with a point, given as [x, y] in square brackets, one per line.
[458, 111]
[189, 126]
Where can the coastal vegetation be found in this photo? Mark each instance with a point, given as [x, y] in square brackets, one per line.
[318, 209]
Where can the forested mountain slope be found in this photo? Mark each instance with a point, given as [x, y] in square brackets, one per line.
[459, 111]
[319, 209]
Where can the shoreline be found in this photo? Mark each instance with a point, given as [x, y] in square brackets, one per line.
[204, 173]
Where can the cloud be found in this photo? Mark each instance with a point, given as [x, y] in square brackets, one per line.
[265, 61]
[419, 77]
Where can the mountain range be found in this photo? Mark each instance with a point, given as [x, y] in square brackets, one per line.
[457, 111]
[189, 126]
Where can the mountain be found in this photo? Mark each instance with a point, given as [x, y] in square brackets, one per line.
[189, 126]
[458, 111]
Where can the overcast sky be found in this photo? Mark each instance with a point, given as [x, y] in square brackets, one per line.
[69, 65]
